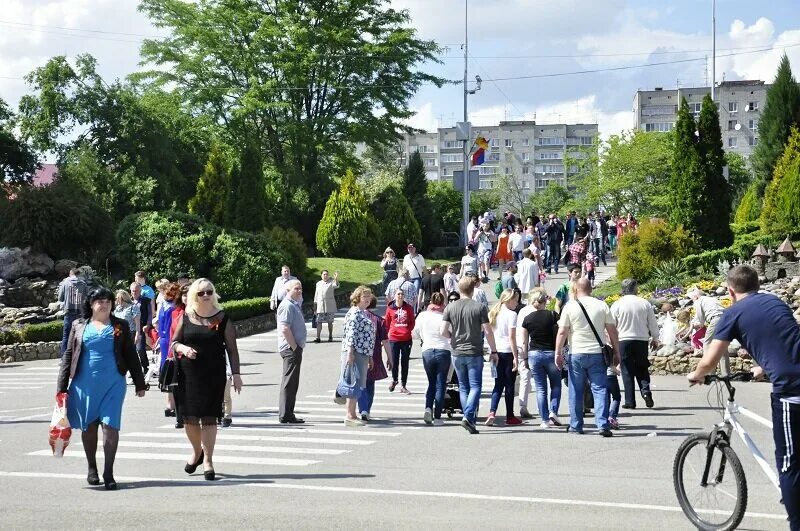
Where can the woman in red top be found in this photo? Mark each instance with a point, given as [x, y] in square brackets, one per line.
[400, 322]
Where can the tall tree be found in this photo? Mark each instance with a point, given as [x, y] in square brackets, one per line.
[251, 205]
[687, 182]
[715, 215]
[18, 162]
[211, 199]
[344, 227]
[415, 189]
[396, 219]
[306, 78]
[781, 111]
[739, 176]
[780, 214]
[551, 199]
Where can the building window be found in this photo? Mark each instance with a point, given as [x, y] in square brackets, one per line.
[526, 170]
[508, 170]
[494, 157]
[733, 107]
[527, 185]
[694, 108]
[732, 142]
[444, 172]
[752, 106]
[526, 157]
[430, 163]
[509, 143]
[494, 143]
[549, 168]
[658, 127]
[732, 125]
[587, 141]
[452, 157]
[487, 170]
[453, 144]
[551, 141]
[753, 125]
[486, 184]
[526, 142]
[752, 141]
[426, 149]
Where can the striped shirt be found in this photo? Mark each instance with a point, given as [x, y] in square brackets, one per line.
[72, 292]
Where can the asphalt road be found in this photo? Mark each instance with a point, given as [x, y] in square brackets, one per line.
[396, 473]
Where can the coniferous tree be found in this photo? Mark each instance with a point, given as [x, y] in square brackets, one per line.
[396, 219]
[344, 225]
[211, 199]
[415, 188]
[715, 204]
[687, 185]
[781, 111]
[780, 214]
[251, 202]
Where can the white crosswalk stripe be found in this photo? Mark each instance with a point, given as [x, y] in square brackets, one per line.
[182, 457]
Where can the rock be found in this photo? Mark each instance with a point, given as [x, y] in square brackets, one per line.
[54, 306]
[62, 267]
[9, 359]
[721, 290]
[16, 263]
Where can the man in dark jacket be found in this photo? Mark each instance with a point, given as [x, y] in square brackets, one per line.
[555, 235]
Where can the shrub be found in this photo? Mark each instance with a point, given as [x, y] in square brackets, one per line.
[343, 227]
[246, 308]
[9, 336]
[707, 261]
[780, 213]
[50, 331]
[745, 227]
[749, 207]
[164, 243]
[666, 274]
[654, 243]
[396, 219]
[292, 243]
[745, 244]
[58, 220]
[244, 264]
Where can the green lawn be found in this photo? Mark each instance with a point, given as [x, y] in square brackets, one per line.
[352, 273]
[612, 286]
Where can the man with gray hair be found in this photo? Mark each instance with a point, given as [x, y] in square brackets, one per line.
[707, 311]
[291, 341]
[636, 325]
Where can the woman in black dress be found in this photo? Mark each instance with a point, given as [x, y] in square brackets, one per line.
[200, 342]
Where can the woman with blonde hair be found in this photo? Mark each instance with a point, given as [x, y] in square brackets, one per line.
[201, 339]
[358, 342]
[126, 310]
[503, 321]
[389, 264]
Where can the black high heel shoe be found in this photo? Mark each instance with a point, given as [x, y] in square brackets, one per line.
[210, 475]
[92, 478]
[109, 482]
[190, 468]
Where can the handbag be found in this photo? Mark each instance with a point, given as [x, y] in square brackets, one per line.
[607, 350]
[348, 382]
[60, 430]
[168, 376]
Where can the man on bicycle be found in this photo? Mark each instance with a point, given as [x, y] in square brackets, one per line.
[764, 326]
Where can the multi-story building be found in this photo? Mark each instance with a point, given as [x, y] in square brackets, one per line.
[739, 102]
[534, 153]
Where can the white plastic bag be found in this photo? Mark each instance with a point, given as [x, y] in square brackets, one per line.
[60, 430]
[668, 330]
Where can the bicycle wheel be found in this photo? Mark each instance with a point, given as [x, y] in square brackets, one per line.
[719, 505]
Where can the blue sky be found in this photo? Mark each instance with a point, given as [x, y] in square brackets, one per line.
[587, 34]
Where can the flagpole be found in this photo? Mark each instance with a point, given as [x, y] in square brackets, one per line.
[465, 202]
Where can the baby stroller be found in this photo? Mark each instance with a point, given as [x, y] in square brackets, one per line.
[452, 398]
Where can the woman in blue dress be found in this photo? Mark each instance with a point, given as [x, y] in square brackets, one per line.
[100, 351]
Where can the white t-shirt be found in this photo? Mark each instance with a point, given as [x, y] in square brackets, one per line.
[581, 337]
[469, 264]
[506, 320]
[524, 312]
[517, 241]
[426, 328]
[414, 265]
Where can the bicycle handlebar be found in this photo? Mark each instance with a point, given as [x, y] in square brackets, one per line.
[744, 376]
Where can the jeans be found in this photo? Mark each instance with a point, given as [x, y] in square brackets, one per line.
[437, 365]
[543, 368]
[366, 397]
[417, 283]
[470, 377]
[612, 242]
[69, 317]
[786, 430]
[401, 350]
[553, 256]
[613, 397]
[635, 366]
[504, 382]
[593, 367]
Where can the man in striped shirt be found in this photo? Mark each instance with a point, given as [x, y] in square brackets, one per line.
[71, 292]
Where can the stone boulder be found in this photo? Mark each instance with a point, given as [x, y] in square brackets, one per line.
[63, 267]
[16, 263]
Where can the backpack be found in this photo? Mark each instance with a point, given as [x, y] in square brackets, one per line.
[498, 289]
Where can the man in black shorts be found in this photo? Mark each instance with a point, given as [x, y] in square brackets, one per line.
[764, 325]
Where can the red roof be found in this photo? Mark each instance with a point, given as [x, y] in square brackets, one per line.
[46, 175]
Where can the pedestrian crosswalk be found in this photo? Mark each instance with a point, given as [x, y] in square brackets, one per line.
[16, 379]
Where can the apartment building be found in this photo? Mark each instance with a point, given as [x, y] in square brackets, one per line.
[534, 153]
[739, 102]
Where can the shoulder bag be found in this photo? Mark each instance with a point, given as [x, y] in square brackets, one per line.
[348, 382]
[607, 350]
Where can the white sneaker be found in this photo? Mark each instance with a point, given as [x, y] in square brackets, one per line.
[365, 416]
[428, 416]
[438, 422]
[353, 423]
[544, 425]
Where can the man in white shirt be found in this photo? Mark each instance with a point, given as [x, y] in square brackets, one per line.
[415, 265]
[527, 276]
[707, 311]
[636, 326]
[516, 243]
[279, 288]
[586, 355]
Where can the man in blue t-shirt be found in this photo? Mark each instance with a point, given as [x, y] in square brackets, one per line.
[765, 327]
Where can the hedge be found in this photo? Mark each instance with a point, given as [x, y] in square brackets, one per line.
[707, 260]
[246, 308]
[745, 227]
[33, 333]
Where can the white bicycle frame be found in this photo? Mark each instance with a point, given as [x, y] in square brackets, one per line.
[731, 422]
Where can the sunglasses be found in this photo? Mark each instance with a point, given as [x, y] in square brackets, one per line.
[206, 293]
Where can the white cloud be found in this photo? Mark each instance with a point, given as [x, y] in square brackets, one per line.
[423, 118]
[760, 65]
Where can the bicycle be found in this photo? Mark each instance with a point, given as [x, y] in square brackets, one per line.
[707, 467]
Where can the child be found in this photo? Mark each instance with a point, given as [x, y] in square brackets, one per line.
[613, 397]
[588, 267]
[684, 328]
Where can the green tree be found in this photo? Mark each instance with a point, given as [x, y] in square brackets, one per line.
[713, 227]
[687, 182]
[18, 162]
[749, 206]
[512, 193]
[415, 188]
[396, 219]
[780, 213]
[781, 111]
[211, 199]
[447, 202]
[343, 228]
[307, 78]
[739, 176]
[551, 199]
[250, 207]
